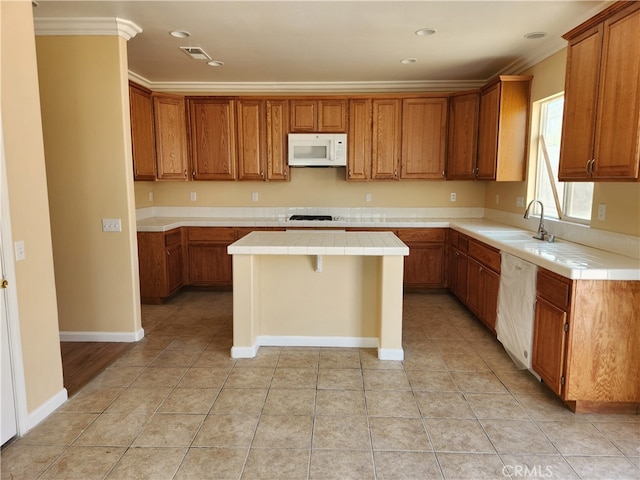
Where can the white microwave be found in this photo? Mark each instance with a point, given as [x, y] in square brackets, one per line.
[317, 149]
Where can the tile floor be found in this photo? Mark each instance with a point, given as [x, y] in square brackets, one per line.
[176, 406]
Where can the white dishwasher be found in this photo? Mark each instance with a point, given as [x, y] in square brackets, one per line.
[516, 307]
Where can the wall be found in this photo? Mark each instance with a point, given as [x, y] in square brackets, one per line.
[84, 92]
[29, 209]
[622, 198]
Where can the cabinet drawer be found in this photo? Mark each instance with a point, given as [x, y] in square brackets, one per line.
[212, 234]
[422, 235]
[463, 243]
[554, 288]
[172, 237]
[485, 254]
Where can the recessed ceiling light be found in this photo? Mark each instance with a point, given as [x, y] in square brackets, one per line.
[408, 61]
[215, 63]
[425, 32]
[535, 35]
[180, 34]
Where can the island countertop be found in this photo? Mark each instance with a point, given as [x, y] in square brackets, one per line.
[319, 242]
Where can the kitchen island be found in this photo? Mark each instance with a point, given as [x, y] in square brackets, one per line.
[318, 288]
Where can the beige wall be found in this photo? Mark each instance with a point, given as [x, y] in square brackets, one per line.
[84, 95]
[622, 198]
[29, 205]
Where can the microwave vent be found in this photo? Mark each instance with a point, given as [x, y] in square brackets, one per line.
[196, 53]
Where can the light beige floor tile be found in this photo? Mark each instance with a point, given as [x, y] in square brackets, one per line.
[137, 358]
[169, 430]
[431, 381]
[148, 463]
[385, 380]
[393, 433]
[369, 360]
[158, 377]
[290, 402]
[625, 436]
[443, 405]
[464, 363]
[545, 407]
[249, 377]
[423, 360]
[499, 362]
[269, 464]
[495, 405]
[58, 429]
[175, 358]
[212, 463]
[339, 358]
[340, 378]
[604, 468]
[291, 357]
[517, 437]
[231, 431]
[455, 435]
[117, 377]
[240, 400]
[553, 467]
[91, 400]
[341, 432]
[189, 400]
[388, 403]
[456, 347]
[25, 462]
[209, 377]
[285, 377]
[267, 357]
[341, 464]
[215, 358]
[139, 400]
[478, 382]
[283, 431]
[340, 402]
[191, 344]
[406, 465]
[520, 381]
[113, 429]
[84, 463]
[460, 466]
[578, 438]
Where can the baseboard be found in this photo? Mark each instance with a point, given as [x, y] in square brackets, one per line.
[391, 354]
[102, 336]
[304, 341]
[244, 352]
[46, 409]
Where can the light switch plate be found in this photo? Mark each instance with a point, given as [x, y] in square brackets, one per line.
[453, 197]
[254, 196]
[519, 201]
[602, 211]
[111, 225]
[193, 196]
[367, 197]
[20, 255]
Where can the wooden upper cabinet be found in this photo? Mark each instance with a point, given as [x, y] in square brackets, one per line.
[385, 149]
[601, 123]
[424, 134]
[171, 137]
[251, 139]
[504, 129]
[463, 136]
[142, 133]
[359, 144]
[277, 130]
[212, 132]
[326, 115]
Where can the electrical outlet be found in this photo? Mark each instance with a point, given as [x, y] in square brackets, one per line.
[151, 196]
[20, 255]
[111, 225]
[193, 196]
[453, 197]
[519, 201]
[367, 197]
[497, 198]
[254, 196]
[602, 211]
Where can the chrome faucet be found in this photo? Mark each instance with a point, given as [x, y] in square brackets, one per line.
[541, 231]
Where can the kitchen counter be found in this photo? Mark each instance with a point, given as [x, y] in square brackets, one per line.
[568, 259]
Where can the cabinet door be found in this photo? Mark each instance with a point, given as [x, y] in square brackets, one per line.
[581, 86]
[549, 338]
[209, 264]
[488, 133]
[277, 131]
[332, 116]
[463, 136]
[386, 139]
[171, 137]
[474, 286]
[175, 265]
[251, 139]
[212, 129]
[424, 266]
[359, 144]
[617, 148]
[304, 115]
[142, 134]
[462, 266]
[424, 122]
[490, 285]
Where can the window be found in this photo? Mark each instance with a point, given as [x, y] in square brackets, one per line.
[574, 198]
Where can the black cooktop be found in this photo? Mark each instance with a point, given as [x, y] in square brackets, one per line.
[310, 217]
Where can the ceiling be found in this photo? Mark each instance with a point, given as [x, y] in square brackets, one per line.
[331, 44]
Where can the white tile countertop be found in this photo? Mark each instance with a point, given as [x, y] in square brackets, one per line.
[569, 259]
[319, 242]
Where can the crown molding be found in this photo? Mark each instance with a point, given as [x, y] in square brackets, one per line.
[86, 26]
[307, 87]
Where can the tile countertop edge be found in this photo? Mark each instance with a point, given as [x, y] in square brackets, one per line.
[630, 272]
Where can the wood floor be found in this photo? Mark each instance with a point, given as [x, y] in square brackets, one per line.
[83, 361]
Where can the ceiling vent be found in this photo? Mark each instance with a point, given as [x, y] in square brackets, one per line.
[196, 52]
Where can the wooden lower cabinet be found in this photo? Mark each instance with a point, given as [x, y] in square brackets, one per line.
[207, 258]
[483, 282]
[425, 266]
[161, 264]
[586, 342]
